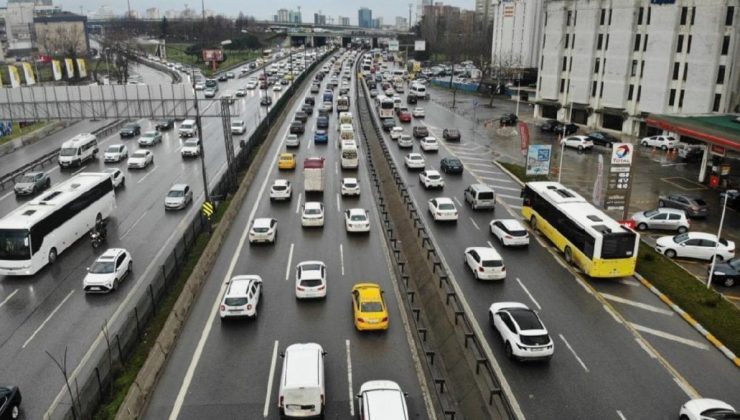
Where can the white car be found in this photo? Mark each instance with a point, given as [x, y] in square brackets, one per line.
[443, 209]
[356, 220]
[242, 297]
[312, 214]
[238, 127]
[697, 245]
[251, 85]
[431, 179]
[418, 112]
[141, 159]
[523, 333]
[107, 271]
[277, 87]
[310, 280]
[429, 144]
[660, 142]
[510, 232]
[200, 85]
[396, 132]
[350, 186]
[577, 142]
[414, 161]
[292, 140]
[281, 189]
[382, 400]
[241, 92]
[191, 148]
[485, 263]
[115, 153]
[263, 229]
[405, 141]
[116, 175]
[707, 409]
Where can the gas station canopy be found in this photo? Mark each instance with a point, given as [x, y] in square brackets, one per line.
[720, 130]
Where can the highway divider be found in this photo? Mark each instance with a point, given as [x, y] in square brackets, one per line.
[464, 387]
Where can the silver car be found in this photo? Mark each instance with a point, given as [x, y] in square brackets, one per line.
[662, 218]
[31, 183]
[179, 196]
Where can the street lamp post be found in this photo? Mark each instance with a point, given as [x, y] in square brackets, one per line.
[716, 245]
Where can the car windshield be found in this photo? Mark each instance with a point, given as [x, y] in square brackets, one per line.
[311, 282]
[371, 307]
[453, 162]
[114, 149]
[651, 213]
[260, 229]
[312, 211]
[350, 184]
[433, 176]
[279, 187]
[68, 151]
[446, 206]
[176, 193]
[492, 263]
[526, 319]
[357, 218]
[102, 267]
[27, 179]
[191, 143]
[680, 238]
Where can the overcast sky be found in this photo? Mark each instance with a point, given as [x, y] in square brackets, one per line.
[388, 9]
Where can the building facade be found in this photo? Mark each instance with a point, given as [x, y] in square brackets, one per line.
[62, 34]
[365, 18]
[152, 13]
[420, 5]
[343, 21]
[402, 23]
[319, 19]
[19, 26]
[517, 33]
[633, 58]
[483, 8]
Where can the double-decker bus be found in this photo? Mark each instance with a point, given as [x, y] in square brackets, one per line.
[35, 233]
[587, 237]
[386, 108]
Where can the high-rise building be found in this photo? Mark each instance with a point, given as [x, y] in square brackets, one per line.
[282, 16]
[295, 16]
[402, 23]
[517, 33]
[152, 13]
[364, 18]
[420, 8]
[343, 21]
[319, 19]
[633, 58]
[376, 23]
[483, 8]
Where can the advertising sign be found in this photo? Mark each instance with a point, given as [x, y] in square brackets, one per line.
[392, 45]
[538, 159]
[619, 179]
[420, 45]
[28, 74]
[213, 55]
[69, 64]
[622, 153]
[56, 66]
[81, 67]
[524, 134]
[717, 150]
[15, 77]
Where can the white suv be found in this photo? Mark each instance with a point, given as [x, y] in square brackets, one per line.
[191, 148]
[310, 280]
[431, 179]
[263, 230]
[312, 214]
[188, 128]
[522, 331]
[242, 297]
[281, 190]
[107, 271]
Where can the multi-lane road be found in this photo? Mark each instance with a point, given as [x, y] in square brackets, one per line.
[50, 312]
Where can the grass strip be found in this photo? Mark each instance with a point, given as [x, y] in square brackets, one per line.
[17, 131]
[706, 306]
[127, 374]
[176, 54]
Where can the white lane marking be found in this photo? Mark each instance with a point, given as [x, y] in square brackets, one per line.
[209, 322]
[488, 172]
[290, 262]
[621, 416]
[298, 205]
[491, 178]
[310, 144]
[79, 170]
[145, 176]
[8, 298]
[630, 282]
[567, 344]
[514, 206]
[341, 257]
[466, 158]
[609, 310]
[134, 225]
[336, 168]
[640, 305]
[339, 205]
[645, 347]
[474, 224]
[458, 202]
[7, 195]
[485, 165]
[685, 388]
[515, 197]
[48, 318]
[499, 187]
[529, 294]
[349, 381]
[669, 336]
[266, 411]
[490, 244]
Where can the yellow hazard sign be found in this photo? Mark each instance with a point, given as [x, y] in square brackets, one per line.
[207, 209]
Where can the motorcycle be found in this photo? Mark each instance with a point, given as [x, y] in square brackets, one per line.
[97, 235]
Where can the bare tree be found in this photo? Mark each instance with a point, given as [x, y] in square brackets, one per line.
[504, 68]
[118, 48]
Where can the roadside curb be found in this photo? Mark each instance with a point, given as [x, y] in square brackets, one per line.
[688, 318]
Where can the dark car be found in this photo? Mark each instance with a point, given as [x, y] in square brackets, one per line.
[297, 127]
[10, 402]
[310, 100]
[301, 116]
[222, 77]
[601, 138]
[130, 130]
[265, 101]
[307, 108]
[693, 206]
[570, 128]
[549, 126]
[451, 134]
[508, 120]
[31, 183]
[165, 124]
[420, 131]
[451, 165]
[322, 121]
[726, 273]
[388, 123]
[411, 99]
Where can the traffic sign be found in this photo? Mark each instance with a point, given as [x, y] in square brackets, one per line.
[207, 209]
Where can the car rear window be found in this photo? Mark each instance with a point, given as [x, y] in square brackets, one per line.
[236, 301]
[535, 340]
[485, 195]
[700, 202]
[311, 283]
[371, 307]
[492, 263]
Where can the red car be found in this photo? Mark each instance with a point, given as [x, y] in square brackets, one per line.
[405, 117]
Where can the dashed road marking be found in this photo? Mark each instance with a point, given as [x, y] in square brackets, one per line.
[567, 344]
[349, 381]
[640, 305]
[474, 224]
[8, 298]
[268, 393]
[48, 318]
[290, 262]
[529, 294]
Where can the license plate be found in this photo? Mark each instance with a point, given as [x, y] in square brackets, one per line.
[372, 321]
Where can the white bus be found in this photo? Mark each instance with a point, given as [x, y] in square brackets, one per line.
[35, 233]
[386, 108]
[350, 158]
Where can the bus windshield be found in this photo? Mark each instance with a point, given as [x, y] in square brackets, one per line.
[14, 244]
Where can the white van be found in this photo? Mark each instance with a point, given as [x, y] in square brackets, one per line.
[302, 381]
[345, 118]
[418, 90]
[78, 149]
[382, 400]
[346, 132]
[188, 128]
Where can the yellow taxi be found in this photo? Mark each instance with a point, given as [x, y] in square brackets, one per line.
[286, 161]
[288, 77]
[370, 312]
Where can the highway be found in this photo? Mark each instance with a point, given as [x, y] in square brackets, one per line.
[619, 352]
[231, 369]
[49, 311]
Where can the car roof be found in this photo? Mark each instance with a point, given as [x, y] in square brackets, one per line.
[486, 253]
[432, 172]
[110, 253]
[312, 204]
[414, 154]
[262, 222]
[287, 155]
[444, 200]
[702, 235]
[526, 318]
[357, 211]
[368, 291]
[179, 187]
[669, 210]
[281, 182]
[349, 180]
[511, 224]
[239, 285]
[429, 138]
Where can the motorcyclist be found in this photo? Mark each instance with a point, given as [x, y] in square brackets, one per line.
[100, 228]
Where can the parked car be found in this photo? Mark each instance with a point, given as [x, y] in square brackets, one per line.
[578, 142]
[693, 206]
[130, 130]
[570, 128]
[662, 218]
[31, 183]
[601, 138]
[726, 273]
[660, 142]
[508, 120]
[696, 245]
[451, 165]
[451, 134]
[691, 152]
[549, 126]
[523, 333]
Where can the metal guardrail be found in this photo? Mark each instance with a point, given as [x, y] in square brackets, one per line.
[370, 126]
[40, 162]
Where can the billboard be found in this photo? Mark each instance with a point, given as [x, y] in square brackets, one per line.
[538, 159]
[622, 153]
[392, 45]
[213, 55]
[420, 45]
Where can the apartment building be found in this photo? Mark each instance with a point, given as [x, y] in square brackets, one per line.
[609, 64]
[517, 33]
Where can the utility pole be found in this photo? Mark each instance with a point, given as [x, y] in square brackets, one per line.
[408, 23]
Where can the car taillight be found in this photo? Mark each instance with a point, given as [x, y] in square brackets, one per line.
[301, 288]
[360, 319]
[321, 288]
[508, 237]
[223, 308]
[385, 319]
[503, 268]
[322, 399]
[480, 269]
[280, 401]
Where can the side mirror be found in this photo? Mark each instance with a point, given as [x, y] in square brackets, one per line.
[282, 354]
[358, 396]
[323, 353]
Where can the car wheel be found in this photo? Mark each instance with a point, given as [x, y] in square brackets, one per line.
[130, 267]
[644, 144]
[568, 254]
[718, 258]
[661, 203]
[115, 284]
[664, 147]
[48, 183]
[642, 226]
[670, 253]
[123, 181]
[682, 229]
[509, 352]
[52, 255]
[580, 148]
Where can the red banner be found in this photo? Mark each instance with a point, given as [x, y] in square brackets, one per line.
[524, 134]
[44, 59]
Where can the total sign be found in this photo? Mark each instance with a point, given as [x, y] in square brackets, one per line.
[622, 153]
